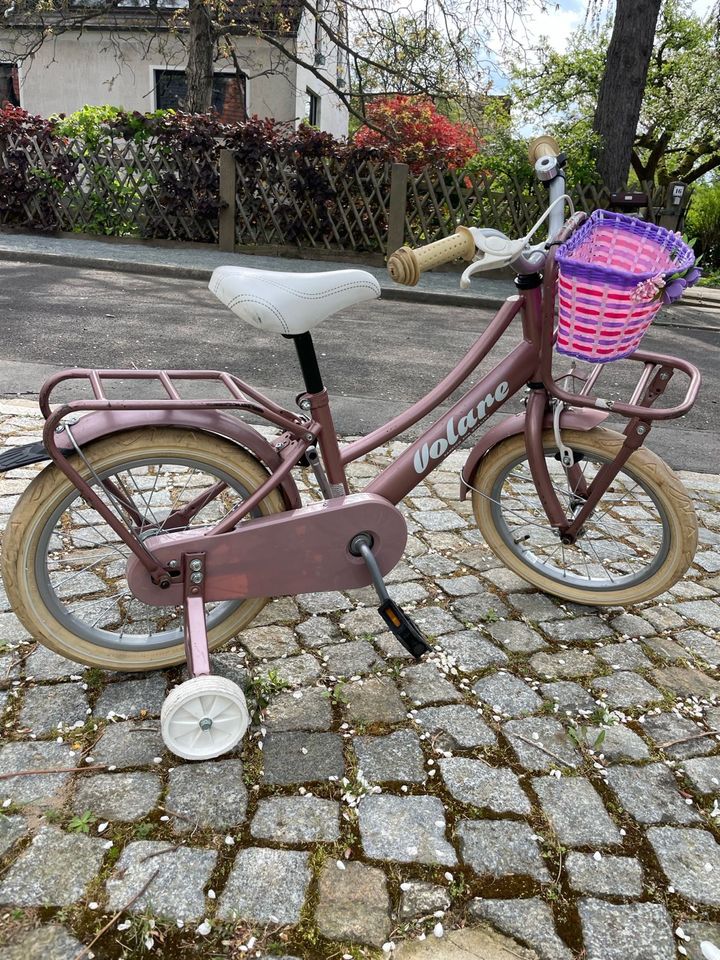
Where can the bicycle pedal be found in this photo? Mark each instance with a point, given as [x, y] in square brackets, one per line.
[404, 628]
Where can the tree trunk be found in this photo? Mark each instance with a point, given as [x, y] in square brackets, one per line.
[201, 48]
[623, 85]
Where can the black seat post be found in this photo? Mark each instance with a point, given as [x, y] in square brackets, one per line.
[305, 350]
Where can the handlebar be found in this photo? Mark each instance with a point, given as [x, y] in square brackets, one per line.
[406, 264]
[474, 244]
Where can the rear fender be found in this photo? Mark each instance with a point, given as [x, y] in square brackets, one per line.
[105, 423]
[584, 419]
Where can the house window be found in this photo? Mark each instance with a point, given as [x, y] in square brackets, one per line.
[228, 93]
[9, 85]
[312, 108]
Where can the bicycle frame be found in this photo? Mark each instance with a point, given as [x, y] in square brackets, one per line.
[271, 547]
[529, 363]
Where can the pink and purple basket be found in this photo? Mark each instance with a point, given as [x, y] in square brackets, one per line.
[600, 316]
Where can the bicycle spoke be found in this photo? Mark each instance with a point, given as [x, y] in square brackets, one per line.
[108, 601]
[154, 487]
[523, 521]
[607, 510]
[144, 501]
[190, 475]
[103, 542]
[77, 573]
[599, 560]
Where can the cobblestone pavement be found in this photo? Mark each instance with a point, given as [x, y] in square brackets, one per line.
[550, 770]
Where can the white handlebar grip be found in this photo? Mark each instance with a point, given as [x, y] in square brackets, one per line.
[545, 146]
[406, 264]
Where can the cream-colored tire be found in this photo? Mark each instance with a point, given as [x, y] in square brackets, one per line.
[63, 567]
[640, 540]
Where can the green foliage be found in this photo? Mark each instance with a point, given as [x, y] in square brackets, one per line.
[113, 201]
[703, 223]
[82, 823]
[579, 735]
[94, 125]
[681, 109]
[142, 933]
[505, 159]
[112, 205]
[710, 278]
[264, 687]
[89, 124]
[601, 715]
[94, 677]
[409, 53]
[337, 694]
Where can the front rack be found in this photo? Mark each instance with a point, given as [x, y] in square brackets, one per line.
[657, 372]
[654, 378]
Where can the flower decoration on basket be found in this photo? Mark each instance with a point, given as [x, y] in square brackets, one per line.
[666, 290]
[615, 273]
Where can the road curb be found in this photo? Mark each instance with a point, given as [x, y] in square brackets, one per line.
[101, 263]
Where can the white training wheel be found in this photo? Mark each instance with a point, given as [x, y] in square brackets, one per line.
[204, 718]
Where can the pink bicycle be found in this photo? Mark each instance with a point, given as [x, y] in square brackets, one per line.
[161, 527]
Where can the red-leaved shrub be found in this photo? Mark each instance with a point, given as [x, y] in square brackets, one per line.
[415, 133]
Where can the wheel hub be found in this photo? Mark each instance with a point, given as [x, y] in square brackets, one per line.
[147, 532]
[206, 723]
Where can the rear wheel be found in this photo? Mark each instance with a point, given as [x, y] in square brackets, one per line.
[64, 567]
[639, 541]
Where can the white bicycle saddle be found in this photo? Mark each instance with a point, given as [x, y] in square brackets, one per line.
[290, 303]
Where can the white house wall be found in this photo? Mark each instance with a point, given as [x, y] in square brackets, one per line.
[333, 113]
[96, 67]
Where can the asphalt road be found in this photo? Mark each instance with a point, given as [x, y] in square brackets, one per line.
[376, 359]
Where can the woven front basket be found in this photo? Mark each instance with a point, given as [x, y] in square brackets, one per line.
[600, 317]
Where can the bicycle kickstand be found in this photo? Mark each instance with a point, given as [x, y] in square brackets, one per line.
[401, 625]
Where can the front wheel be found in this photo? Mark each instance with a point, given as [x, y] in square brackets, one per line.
[637, 543]
[65, 568]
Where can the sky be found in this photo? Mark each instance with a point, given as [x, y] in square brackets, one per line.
[567, 15]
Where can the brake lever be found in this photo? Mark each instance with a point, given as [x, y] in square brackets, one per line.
[494, 250]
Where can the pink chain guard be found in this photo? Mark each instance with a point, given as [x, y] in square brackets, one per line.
[299, 551]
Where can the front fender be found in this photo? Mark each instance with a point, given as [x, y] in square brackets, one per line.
[104, 423]
[582, 419]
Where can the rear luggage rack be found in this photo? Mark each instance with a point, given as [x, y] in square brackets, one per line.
[241, 396]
